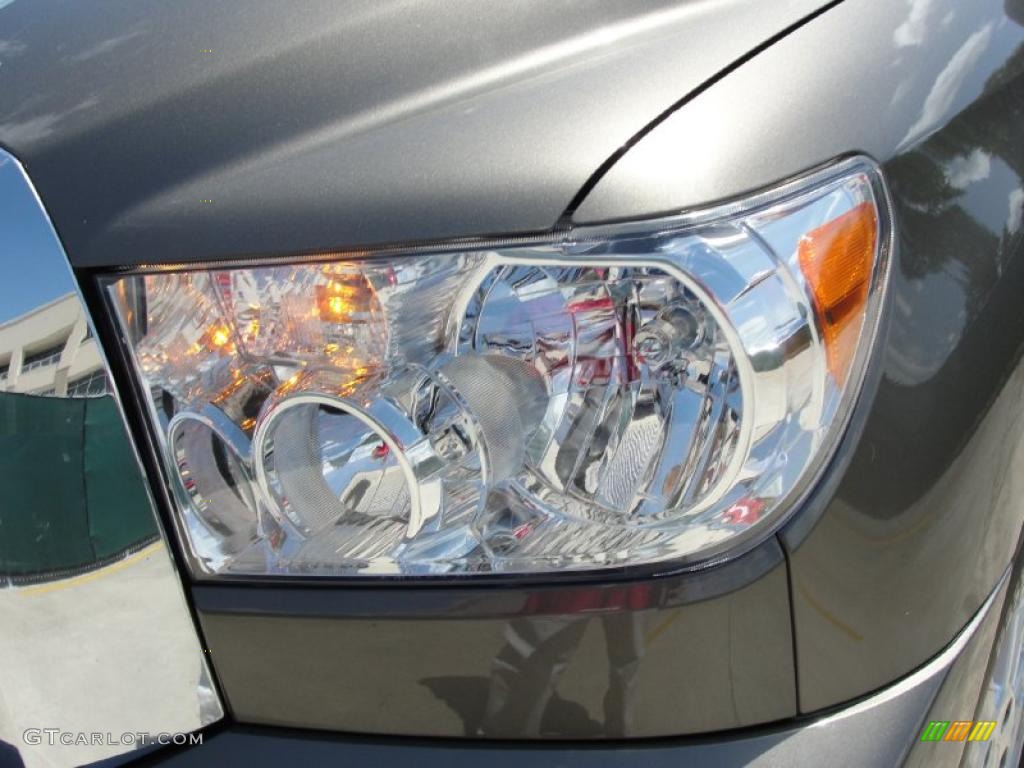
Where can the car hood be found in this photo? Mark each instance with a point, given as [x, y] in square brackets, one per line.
[161, 132]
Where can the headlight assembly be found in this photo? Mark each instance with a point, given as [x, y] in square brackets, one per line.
[656, 391]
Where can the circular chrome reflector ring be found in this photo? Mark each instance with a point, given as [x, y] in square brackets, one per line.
[212, 468]
[342, 458]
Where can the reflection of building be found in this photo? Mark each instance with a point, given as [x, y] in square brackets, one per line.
[49, 351]
[66, 465]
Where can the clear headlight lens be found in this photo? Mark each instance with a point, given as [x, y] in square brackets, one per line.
[663, 390]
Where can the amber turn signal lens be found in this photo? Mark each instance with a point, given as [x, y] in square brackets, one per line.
[837, 259]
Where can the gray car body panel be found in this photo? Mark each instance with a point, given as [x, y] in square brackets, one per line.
[160, 132]
[656, 657]
[872, 76]
[876, 731]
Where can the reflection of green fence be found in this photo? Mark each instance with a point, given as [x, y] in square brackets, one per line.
[71, 494]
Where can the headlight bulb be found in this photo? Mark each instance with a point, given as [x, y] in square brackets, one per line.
[665, 339]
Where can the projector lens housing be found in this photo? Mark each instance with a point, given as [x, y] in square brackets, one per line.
[648, 392]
